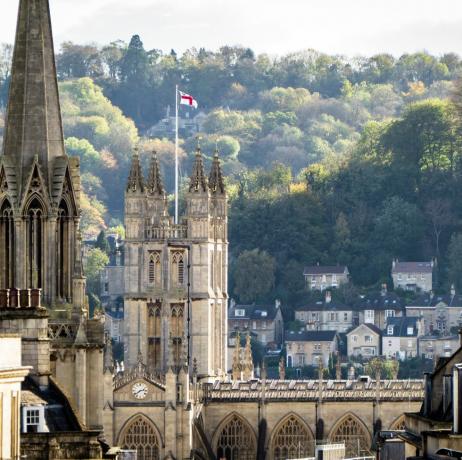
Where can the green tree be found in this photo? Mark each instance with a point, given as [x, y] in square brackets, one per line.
[455, 260]
[94, 263]
[102, 242]
[253, 275]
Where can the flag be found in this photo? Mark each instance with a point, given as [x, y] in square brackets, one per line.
[186, 99]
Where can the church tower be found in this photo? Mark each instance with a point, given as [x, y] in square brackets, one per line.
[176, 274]
[40, 244]
[39, 183]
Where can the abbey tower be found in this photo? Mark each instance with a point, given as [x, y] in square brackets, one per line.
[176, 274]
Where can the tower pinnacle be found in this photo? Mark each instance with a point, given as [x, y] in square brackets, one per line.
[135, 179]
[155, 185]
[33, 123]
[198, 179]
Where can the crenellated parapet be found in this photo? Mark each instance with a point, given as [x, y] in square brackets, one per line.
[309, 390]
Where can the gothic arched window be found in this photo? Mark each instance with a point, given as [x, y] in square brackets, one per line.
[140, 435]
[7, 245]
[34, 218]
[292, 440]
[355, 436]
[154, 336]
[154, 269]
[64, 252]
[177, 331]
[178, 269]
[236, 441]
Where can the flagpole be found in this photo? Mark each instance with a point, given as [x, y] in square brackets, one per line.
[176, 154]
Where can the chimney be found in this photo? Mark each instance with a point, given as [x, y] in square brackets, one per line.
[232, 303]
[384, 289]
[394, 263]
[453, 291]
[328, 297]
[351, 373]
[277, 304]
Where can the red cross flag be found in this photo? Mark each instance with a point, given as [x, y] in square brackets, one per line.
[186, 99]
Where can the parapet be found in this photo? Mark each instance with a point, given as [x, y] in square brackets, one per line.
[19, 299]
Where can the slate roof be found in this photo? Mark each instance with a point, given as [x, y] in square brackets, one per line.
[372, 327]
[412, 267]
[431, 300]
[401, 325]
[323, 305]
[310, 336]
[325, 270]
[381, 301]
[254, 312]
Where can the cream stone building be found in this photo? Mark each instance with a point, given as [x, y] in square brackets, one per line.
[42, 284]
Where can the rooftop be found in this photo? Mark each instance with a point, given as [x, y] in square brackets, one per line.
[412, 267]
[325, 270]
[310, 336]
[402, 326]
[263, 312]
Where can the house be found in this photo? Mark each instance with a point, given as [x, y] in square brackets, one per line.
[413, 276]
[440, 313]
[376, 308]
[263, 320]
[327, 315]
[319, 277]
[12, 374]
[187, 124]
[435, 432]
[114, 322]
[309, 348]
[364, 340]
[434, 347]
[401, 337]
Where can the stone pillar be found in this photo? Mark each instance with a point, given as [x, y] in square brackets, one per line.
[170, 413]
[81, 382]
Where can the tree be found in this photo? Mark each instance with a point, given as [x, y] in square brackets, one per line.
[253, 275]
[102, 243]
[455, 260]
[94, 263]
[440, 216]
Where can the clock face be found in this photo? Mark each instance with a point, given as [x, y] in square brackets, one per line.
[139, 390]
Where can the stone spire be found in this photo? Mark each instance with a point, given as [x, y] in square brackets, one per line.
[154, 184]
[33, 125]
[198, 180]
[135, 179]
[248, 360]
[216, 182]
[236, 367]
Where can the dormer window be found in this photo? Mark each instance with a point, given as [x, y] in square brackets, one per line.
[239, 312]
[410, 330]
[390, 330]
[34, 419]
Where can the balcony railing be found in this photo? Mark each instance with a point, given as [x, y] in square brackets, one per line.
[171, 232]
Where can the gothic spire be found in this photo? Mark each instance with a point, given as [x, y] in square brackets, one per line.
[155, 185]
[248, 360]
[198, 179]
[216, 183]
[237, 365]
[135, 179]
[33, 125]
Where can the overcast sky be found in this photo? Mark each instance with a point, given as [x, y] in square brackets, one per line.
[348, 27]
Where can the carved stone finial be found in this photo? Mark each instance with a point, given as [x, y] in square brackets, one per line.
[135, 178]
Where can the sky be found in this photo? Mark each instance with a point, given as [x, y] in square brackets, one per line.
[349, 27]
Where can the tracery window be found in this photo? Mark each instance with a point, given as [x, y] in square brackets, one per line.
[154, 269]
[236, 441]
[64, 251]
[292, 440]
[178, 269]
[177, 331]
[7, 245]
[354, 435]
[141, 436]
[34, 244]
[154, 336]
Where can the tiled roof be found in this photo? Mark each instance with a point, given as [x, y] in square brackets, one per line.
[431, 300]
[323, 305]
[263, 312]
[325, 270]
[380, 301]
[401, 325]
[412, 267]
[310, 336]
[372, 327]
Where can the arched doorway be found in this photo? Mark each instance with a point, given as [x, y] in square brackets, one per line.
[292, 439]
[354, 434]
[236, 440]
[140, 434]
